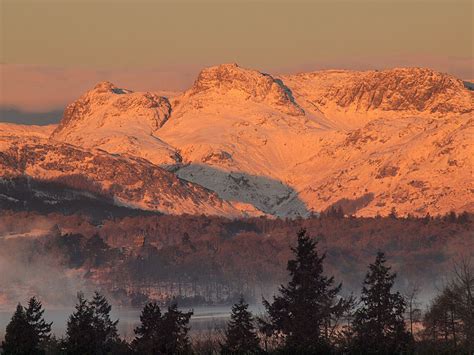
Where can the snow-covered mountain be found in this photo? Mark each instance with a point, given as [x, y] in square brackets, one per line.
[118, 121]
[287, 145]
[125, 180]
[350, 99]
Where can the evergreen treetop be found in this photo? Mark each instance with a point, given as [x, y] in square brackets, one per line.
[162, 333]
[240, 335]
[34, 314]
[304, 309]
[379, 325]
[90, 329]
[27, 331]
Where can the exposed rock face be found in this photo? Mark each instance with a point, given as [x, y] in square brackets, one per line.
[410, 89]
[415, 165]
[363, 134]
[232, 80]
[400, 92]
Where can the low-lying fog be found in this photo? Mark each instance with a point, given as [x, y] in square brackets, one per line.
[203, 320]
[25, 272]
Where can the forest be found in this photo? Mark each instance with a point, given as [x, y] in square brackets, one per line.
[308, 314]
[203, 260]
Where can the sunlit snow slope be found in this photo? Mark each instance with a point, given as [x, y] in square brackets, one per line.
[289, 145]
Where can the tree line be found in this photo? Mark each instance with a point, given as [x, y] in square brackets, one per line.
[194, 258]
[308, 315]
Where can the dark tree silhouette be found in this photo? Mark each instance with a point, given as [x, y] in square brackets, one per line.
[449, 320]
[34, 316]
[442, 324]
[90, 329]
[19, 337]
[240, 335]
[148, 338]
[105, 329]
[27, 332]
[393, 213]
[162, 334]
[379, 326]
[304, 309]
[175, 330]
[80, 335]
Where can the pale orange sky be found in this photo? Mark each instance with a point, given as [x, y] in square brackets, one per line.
[51, 51]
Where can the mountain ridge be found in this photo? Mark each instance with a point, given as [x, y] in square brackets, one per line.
[292, 145]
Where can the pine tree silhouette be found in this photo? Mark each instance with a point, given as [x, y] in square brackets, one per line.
[162, 334]
[106, 334]
[378, 325]
[90, 329]
[175, 330]
[34, 315]
[240, 335]
[27, 332]
[80, 335]
[19, 336]
[303, 310]
[148, 338]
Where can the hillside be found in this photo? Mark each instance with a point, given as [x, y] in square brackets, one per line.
[206, 260]
[124, 181]
[286, 145]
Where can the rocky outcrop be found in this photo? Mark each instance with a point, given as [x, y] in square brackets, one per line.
[251, 84]
[350, 99]
[404, 89]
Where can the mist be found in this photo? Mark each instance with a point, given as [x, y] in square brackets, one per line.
[27, 270]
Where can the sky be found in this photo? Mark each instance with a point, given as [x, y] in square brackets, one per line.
[53, 51]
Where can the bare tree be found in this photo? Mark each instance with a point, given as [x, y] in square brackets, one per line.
[413, 307]
[449, 321]
[463, 295]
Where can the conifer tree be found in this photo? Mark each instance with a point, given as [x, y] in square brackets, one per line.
[378, 325]
[148, 337]
[90, 329]
[105, 329]
[303, 310]
[19, 337]
[27, 332]
[175, 330]
[34, 315]
[240, 335]
[162, 334]
[80, 335]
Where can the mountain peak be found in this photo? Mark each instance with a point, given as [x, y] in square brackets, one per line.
[108, 87]
[107, 102]
[251, 84]
[117, 121]
[398, 91]
[416, 89]
[104, 86]
[228, 76]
